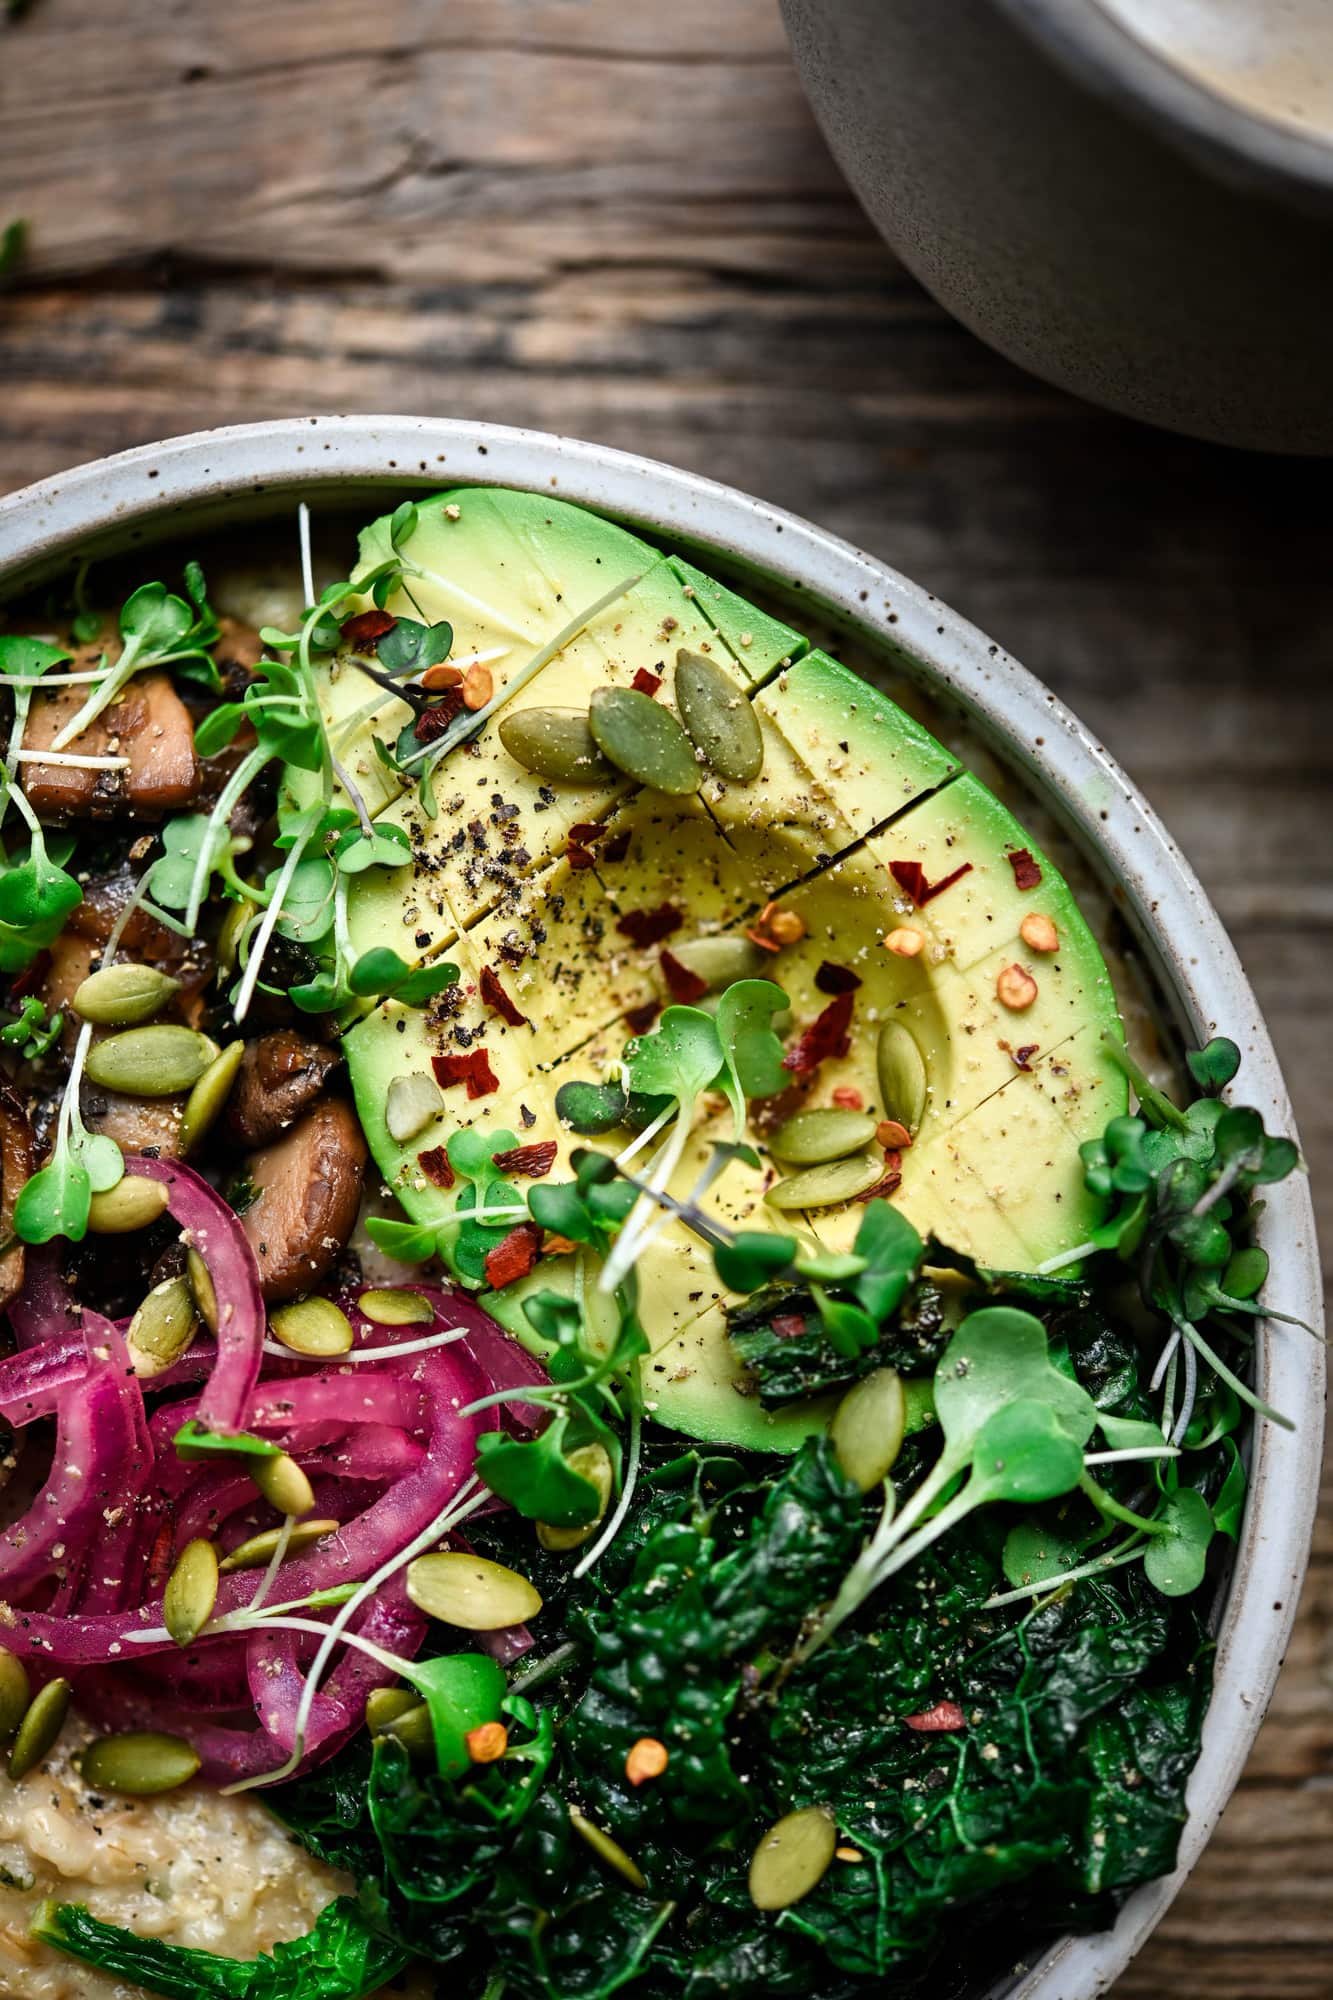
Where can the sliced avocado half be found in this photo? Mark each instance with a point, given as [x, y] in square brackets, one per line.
[857, 816]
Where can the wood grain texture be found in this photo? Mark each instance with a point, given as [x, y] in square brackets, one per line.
[616, 219]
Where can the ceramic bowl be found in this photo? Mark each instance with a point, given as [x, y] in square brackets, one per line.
[1089, 208]
[246, 473]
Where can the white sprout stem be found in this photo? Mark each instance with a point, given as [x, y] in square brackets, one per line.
[69, 760]
[1164, 1362]
[270, 919]
[713, 1170]
[1074, 1256]
[1128, 1551]
[231, 792]
[275, 1561]
[307, 562]
[112, 681]
[648, 1134]
[1233, 1381]
[464, 1502]
[466, 724]
[626, 1246]
[82, 679]
[612, 1528]
[1188, 1395]
[1130, 1453]
[359, 1354]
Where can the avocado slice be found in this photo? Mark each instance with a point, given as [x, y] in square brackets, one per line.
[856, 820]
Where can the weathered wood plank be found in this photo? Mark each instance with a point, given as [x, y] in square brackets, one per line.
[617, 220]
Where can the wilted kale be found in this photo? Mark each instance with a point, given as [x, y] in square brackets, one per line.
[780, 1337]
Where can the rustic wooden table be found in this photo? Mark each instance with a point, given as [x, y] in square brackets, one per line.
[617, 220]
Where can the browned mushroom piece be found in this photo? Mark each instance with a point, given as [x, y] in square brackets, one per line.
[280, 1076]
[16, 1164]
[149, 726]
[308, 1192]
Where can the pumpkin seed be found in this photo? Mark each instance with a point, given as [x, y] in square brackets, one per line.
[163, 1327]
[825, 1186]
[15, 1694]
[232, 931]
[809, 1138]
[201, 1285]
[205, 1102]
[395, 1308]
[592, 1462]
[312, 1326]
[792, 1858]
[151, 1062]
[644, 741]
[257, 1553]
[902, 1075]
[718, 718]
[719, 960]
[387, 1705]
[191, 1592]
[282, 1483]
[140, 1763]
[470, 1591]
[41, 1725]
[556, 743]
[411, 1104]
[131, 1204]
[607, 1850]
[413, 1728]
[121, 996]
[867, 1428]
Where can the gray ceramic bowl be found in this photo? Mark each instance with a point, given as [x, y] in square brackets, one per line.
[1088, 209]
[253, 471]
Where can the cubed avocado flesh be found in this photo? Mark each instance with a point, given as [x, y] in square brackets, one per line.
[855, 824]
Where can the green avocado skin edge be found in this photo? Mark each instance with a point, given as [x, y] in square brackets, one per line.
[857, 798]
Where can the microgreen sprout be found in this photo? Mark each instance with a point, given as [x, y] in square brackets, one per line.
[156, 630]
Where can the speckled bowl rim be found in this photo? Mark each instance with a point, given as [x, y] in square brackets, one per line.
[1240, 146]
[201, 480]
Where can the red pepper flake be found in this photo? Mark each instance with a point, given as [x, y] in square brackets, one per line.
[494, 996]
[911, 876]
[943, 1716]
[586, 831]
[825, 1037]
[1027, 872]
[617, 847]
[892, 1181]
[640, 1019]
[367, 629]
[514, 1256]
[646, 682]
[159, 1557]
[848, 1098]
[1023, 1057]
[534, 1161]
[832, 978]
[433, 721]
[789, 1326]
[578, 857]
[684, 986]
[436, 1166]
[892, 1136]
[472, 1068]
[649, 927]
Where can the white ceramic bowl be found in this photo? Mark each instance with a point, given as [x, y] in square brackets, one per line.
[221, 477]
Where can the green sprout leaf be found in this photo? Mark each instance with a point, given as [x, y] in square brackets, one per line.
[1214, 1065]
[387, 847]
[751, 1051]
[194, 1440]
[462, 1691]
[410, 648]
[536, 1477]
[1174, 1563]
[590, 1108]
